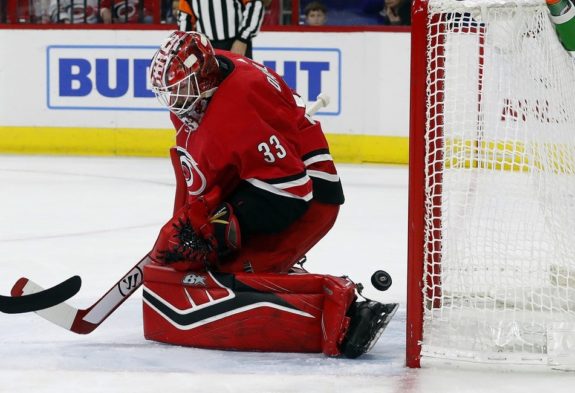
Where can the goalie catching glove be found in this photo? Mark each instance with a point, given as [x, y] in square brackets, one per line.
[198, 236]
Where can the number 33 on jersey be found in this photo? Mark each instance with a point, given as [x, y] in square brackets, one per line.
[256, 131]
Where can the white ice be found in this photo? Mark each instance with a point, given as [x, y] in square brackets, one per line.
[95, 217]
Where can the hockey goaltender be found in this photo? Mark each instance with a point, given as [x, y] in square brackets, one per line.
[256, 188]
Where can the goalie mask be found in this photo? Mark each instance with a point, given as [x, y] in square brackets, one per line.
[184, 70]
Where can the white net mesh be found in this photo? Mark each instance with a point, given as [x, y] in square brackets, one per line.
[500, 182]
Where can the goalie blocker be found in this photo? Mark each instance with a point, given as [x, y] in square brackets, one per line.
[260, 312]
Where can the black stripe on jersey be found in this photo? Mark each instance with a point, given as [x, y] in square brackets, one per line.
[185, 22]
[213, 23]
[327, 192]
[237, 15]
[248, 19]
[252, 16]
[224, 21]
[259, 18]
[198, 10]
[286, 179]
[314, 153]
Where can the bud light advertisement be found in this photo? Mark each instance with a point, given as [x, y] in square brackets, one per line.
[100, 77]
[116, 77]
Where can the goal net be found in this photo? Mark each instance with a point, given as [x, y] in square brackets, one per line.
[492, 185]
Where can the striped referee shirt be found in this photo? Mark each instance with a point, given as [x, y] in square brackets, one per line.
[222, 19]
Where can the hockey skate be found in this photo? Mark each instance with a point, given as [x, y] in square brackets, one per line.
[368, 321]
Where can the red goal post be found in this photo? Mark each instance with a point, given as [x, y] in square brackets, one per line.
[416, 215]
[427, 90]
[491, 255]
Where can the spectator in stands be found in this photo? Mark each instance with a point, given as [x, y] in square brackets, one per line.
[26, 11]
[272, 13]
[396, 12]
[170, 11]
[229, 24]
[315, 14]
[67, 11]
[40, 12]
[127, 11]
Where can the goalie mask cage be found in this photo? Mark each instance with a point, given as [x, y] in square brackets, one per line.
[492, 186]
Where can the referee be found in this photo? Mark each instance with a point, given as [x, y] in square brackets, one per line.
[229, 24]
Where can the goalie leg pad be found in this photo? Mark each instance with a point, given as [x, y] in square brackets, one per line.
[244, 311]
[339, 295]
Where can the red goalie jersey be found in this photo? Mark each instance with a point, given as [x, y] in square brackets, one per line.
[255, 129]
[271, 161]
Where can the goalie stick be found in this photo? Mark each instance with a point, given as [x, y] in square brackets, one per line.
[39, 301]
[84, 321]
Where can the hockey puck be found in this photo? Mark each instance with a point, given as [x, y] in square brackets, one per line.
[381, 280]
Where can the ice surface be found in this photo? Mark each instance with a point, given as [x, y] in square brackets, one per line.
[96, 217]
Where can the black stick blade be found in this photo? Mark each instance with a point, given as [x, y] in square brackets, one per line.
[20, 302]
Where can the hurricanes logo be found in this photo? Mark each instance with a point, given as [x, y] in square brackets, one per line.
[122, 9]
[195, 179]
